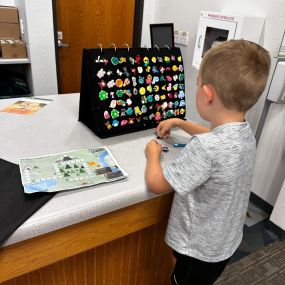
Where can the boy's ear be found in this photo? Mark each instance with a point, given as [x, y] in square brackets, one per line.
[209, 92]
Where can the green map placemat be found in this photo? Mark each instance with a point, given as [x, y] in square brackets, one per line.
[69, 170]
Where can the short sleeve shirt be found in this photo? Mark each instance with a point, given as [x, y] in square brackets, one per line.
[211, 177]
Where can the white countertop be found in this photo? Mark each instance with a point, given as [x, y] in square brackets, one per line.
[56, 128]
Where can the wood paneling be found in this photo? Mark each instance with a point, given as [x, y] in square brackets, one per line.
[141, 258]
[84, 24]
[122, 247]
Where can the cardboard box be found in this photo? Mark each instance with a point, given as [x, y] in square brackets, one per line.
[9, 31]
[13, 49]
[9, 23]
[9, 15]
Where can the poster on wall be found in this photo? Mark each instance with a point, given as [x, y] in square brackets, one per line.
[126, 90]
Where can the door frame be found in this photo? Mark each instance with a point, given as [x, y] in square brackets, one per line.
[56, 45]
[137, 31]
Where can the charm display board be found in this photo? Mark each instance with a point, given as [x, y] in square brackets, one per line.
[127, 90]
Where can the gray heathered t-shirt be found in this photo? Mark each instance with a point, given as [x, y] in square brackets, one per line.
[211, 177]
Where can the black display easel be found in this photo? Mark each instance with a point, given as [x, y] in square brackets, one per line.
[125, 90]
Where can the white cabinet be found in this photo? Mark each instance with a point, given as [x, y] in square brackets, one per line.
[217, 27]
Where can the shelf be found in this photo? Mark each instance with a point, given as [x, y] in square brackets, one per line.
[16, 96]
[14, 61]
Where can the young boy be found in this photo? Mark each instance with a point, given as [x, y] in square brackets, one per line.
[212, 175]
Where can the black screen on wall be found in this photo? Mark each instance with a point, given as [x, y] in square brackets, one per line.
[162, 34]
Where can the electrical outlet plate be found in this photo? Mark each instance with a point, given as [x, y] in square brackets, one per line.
[181, 38]
[177, 37]
[184, 38]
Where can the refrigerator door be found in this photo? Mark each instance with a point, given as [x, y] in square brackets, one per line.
[269, 171]
[278, 213]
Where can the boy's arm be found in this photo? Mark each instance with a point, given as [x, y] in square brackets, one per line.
[164, 127]
[155, 179]
[191, 128]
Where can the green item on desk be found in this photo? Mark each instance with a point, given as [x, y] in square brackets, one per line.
[179, 144]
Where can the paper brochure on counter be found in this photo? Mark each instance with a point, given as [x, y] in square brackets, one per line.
[69, 170]
[27, 106]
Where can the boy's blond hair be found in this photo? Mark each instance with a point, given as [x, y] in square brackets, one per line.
[238, 70]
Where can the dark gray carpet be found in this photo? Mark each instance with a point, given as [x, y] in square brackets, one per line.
[266, 266]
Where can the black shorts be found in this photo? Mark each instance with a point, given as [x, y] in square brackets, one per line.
[192, 271]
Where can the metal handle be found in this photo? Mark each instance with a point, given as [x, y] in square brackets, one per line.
[199, 41]
[61, 44]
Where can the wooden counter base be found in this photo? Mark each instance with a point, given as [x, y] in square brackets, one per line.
[122, 247]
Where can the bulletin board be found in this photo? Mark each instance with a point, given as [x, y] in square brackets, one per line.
[125, 90]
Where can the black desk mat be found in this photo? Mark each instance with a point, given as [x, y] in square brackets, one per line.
[16, 206]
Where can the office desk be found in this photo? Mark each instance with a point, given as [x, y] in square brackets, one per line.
[108, 234]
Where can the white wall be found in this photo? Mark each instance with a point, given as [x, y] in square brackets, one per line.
[7, 2]
[185, 16]
[39, 17]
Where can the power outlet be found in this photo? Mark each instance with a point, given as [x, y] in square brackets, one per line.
[177, 36]
[184, 39]
[181, 38]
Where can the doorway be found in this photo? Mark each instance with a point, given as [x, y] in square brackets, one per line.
[87, 23]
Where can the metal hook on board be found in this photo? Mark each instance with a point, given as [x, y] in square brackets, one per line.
[100, 45]
[157, 47]
[167, 47]
[146, 47]
[126, 45]
[113, 45]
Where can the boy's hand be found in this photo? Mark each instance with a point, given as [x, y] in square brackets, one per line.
[155, 179]
[164, 127]
[153, 149]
